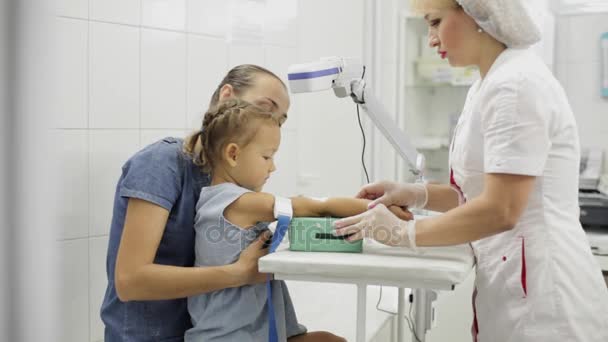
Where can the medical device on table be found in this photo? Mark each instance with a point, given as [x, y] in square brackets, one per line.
[345, 76]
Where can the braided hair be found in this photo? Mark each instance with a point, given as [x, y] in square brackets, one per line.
[231, 121]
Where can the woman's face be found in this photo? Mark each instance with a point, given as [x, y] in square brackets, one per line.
[268, 93]
[454, 34]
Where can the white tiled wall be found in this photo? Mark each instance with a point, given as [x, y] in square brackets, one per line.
[130, 72]
[577, 66]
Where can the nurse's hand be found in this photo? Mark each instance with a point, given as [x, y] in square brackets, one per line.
[247, 264]
[380, 224]
[412, 196]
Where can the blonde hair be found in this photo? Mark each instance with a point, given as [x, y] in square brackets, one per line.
[231, 121]
[241, 78]
[422, 6]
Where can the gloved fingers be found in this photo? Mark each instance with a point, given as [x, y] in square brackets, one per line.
[372, 191]
[349, 221]
[385, 200]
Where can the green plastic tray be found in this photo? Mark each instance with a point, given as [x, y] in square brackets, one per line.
[316, 234]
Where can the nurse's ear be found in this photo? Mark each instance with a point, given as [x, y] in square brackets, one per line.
[231, 154]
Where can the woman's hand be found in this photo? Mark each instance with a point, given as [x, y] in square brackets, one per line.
[412, 196]
[247, 265]
[380, 224]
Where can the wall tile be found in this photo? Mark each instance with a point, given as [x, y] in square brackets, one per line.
[108, 150]
[74, 295]
[243, 53]
[72, 182]
[72, 8]
[167, 14]
[207, 66]
[247, 21]
[71, 74]
[97, 284]
[163, 79]
[116, 11]
[114, 76]
[280, 20]
[209, 17]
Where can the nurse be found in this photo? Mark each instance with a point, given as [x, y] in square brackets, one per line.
[513, 191]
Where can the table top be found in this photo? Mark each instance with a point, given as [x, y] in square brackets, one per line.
[438, 268]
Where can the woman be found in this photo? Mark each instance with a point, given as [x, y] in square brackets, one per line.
[514, 163]
[151, 246]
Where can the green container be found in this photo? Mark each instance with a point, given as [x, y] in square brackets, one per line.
[316, 234]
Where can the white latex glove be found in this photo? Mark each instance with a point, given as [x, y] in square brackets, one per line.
[380, 224]
[411, 196]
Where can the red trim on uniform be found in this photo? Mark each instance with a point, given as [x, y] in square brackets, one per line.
[453, 182]
[475, 326]
[524, 283]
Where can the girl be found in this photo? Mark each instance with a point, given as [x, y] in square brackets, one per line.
[238, 142]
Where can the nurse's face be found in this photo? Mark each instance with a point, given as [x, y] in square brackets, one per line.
[454, 34]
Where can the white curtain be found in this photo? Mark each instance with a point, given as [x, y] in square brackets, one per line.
[27, 270]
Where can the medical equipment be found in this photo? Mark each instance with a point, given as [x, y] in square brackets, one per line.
[604, 44]
[316, 234]
[346, 77]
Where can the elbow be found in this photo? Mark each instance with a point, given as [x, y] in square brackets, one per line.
[507, 219]
[123, 283]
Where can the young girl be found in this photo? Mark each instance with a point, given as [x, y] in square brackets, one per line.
[238, 142]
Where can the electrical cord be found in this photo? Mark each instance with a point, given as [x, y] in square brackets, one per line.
[410, 321]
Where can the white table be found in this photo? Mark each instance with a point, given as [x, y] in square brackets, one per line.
[426, 271]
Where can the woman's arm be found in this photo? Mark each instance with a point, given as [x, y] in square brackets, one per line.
[253, 207]
[441, 197]
[138, 278]
[496, 210]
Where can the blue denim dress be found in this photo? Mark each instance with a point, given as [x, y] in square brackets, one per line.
[163, 175]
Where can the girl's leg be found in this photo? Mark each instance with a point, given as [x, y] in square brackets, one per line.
[316, 336]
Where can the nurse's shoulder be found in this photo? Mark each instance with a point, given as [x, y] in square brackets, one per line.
[522, 71]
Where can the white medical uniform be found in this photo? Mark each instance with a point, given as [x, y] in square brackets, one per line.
[539, 281]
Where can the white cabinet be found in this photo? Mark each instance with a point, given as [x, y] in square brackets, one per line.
[431, 96]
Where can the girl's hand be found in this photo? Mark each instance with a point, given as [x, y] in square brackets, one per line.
[401, 213]
[247, 265]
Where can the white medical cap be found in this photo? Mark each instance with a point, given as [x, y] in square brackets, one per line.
[509, 21]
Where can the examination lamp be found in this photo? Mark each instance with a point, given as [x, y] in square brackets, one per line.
[346, 77]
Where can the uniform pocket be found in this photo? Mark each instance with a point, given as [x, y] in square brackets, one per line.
[504, 271]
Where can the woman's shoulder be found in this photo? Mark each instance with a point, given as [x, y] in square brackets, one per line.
[520, 68]
[166, 151]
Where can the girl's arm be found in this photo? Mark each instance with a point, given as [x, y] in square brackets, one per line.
[137, 277]
[254, 207]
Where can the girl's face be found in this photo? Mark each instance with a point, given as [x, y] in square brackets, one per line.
[454, 34]
[255, 162]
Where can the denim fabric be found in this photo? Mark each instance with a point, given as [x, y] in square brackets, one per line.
[163, 175]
